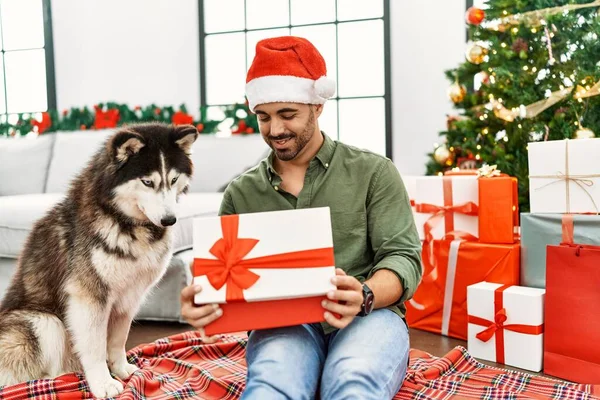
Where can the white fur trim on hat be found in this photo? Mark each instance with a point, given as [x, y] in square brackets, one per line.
[288, 89]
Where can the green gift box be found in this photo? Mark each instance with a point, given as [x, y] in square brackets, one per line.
[541, 230]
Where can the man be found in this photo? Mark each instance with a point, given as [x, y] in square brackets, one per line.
[363, 353]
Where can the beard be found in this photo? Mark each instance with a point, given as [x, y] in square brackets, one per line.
[297, 141]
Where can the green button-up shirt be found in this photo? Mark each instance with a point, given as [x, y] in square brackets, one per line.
[372, 222]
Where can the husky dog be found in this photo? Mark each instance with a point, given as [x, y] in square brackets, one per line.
[89, 262]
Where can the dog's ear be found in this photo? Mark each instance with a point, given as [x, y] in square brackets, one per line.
[124, 144]
[185, 136]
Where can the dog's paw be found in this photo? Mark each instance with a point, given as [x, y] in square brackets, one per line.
[124, 371]
[106, 388]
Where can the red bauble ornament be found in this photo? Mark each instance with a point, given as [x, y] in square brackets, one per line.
[475, 15]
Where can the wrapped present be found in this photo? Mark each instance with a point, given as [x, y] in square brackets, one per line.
[506, 324]
[266, 270]
[450, 204]
[541, 230]
[564, 176]
[571, 348]
[498, 196]
[439, 304]
[479, 204]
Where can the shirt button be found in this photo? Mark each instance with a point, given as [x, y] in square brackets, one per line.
[276, 188]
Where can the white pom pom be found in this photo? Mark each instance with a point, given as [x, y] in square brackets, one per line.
[324, 87]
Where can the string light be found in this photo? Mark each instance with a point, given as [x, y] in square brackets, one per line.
[451, 148]
[478, 147]
[525, 68]
[478, 157]
[485, 131]
[515, 30]
[505, 138]
[503, 45]
[534, 69]
[520, 126]
[440, 174]
[533, 30]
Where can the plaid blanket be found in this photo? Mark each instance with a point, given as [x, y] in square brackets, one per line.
[181, 367]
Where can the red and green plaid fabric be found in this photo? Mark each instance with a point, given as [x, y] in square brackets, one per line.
[181, 367]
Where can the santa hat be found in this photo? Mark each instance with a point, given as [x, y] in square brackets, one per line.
[288, 69]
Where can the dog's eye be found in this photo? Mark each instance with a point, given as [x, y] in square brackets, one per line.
[147, 182]
[174, 180]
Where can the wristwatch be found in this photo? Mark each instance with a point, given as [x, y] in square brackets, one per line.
[368, 301]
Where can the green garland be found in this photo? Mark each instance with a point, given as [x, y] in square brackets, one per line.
[111, 115]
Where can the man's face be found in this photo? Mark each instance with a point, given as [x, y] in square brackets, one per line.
[286, 127]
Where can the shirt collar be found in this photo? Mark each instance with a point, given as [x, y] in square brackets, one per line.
[324, 155]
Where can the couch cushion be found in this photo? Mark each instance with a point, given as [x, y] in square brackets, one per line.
[19, 213]
[24, 164]
[71, 153]
[218, 160]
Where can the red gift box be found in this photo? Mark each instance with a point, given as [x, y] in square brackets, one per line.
[571, 346]
[439, 304]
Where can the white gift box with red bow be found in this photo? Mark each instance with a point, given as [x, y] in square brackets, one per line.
[265, 269]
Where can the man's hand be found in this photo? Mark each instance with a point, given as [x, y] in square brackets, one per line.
[199, 316]
[349, 296]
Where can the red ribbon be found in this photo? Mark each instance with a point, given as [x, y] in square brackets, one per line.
[568, 229]
[497, 327]
[446, 212]
[232, 269]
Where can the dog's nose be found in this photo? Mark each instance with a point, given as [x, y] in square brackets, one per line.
[168, 220]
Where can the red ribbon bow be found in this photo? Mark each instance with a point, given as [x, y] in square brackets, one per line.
[497, 327]
[231, 269]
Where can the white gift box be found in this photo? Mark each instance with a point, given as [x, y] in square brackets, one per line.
[508, 344]
[276, 232]
[564, 176]
[431, 190]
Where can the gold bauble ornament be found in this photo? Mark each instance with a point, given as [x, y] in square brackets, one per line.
[584, 133]
[476, 53]
[457, 92]
[441, 154]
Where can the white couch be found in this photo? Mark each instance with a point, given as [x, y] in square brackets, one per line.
[35, 173]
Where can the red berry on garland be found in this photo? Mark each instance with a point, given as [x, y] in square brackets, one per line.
[157, 111]
[65, 112]
[200, 127]
[250, 130]
[82, 127]
[475, 16]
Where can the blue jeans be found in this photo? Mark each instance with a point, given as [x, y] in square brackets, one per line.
[365, 360]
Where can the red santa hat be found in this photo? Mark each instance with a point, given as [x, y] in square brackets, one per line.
[288, 69]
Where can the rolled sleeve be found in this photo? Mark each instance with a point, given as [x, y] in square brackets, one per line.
[392, 231]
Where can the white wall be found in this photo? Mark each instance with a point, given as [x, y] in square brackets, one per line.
[143, 51]
[128, 51]
[427, 37]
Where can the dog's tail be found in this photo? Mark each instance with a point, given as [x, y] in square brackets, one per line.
[32, 346]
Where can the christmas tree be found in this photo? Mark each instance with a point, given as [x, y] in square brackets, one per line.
[532, 73]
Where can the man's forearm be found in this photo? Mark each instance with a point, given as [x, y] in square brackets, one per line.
[386, 287]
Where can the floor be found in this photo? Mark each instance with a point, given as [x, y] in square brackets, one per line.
[145, 332]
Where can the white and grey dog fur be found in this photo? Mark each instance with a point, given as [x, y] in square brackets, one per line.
[89, 262]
